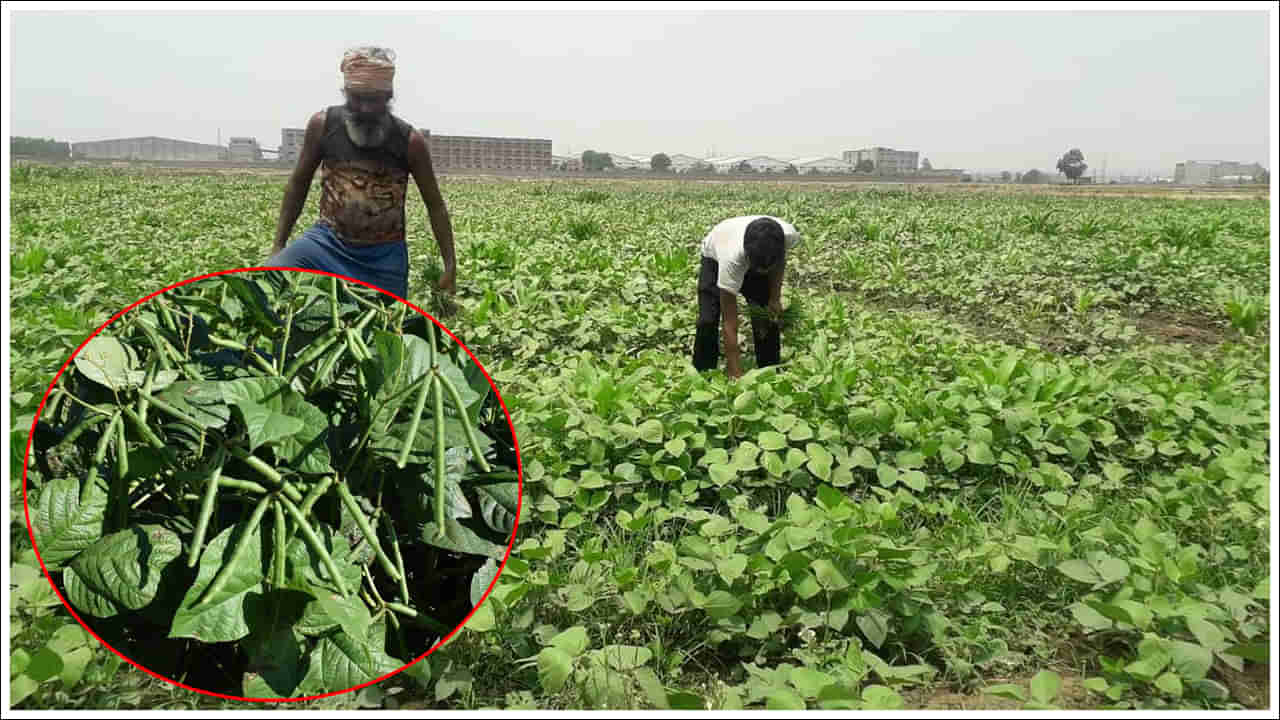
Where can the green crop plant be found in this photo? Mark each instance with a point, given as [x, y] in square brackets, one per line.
[255, 462]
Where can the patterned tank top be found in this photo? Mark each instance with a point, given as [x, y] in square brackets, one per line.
[363, 188]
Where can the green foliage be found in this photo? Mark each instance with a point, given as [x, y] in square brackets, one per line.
[312, 426]
[981, 457]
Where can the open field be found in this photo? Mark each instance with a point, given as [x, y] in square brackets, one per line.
[1017, 454]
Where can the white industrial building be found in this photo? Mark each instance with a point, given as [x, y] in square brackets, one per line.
[822, 164]
[759, 163]
[885, 160]
[1208, 172]
[148, 148]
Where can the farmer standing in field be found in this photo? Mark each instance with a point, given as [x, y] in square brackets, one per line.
[368, 155]
[749, 255]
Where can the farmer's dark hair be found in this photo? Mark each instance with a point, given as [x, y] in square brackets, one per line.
[764, 242]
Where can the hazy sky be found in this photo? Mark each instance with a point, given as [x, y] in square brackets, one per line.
[975, 90]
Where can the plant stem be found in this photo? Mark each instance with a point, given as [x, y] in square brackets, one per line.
[419, 618]
[267, 471]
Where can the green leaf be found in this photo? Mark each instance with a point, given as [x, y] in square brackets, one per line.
[650, 431]
[222, 618]
[273, 648]
[573, 641]
[121, 571]
[828, 575]
[105, 361]
[482, 579]
[770, 440]
[879, 697]
[63, 525]
[875, 625]
[625, 658]
[1045, 686]
[1208, 634]
[720, 604]
[915, 480]
[722, 474]
[44, 664]
[304, 449]
[731, 568]
[979, 453]
[1079, 570]
[1254, 652]
[838, 697]
[809, 681]
[554, 667]
[862, 458]
[201, 401]
[266, 426]
[1008, 691]
[499, 504]
[74, 663]
[783, 699]
[1190, 661]
[887, 474]
[20, 688]
[951, 459]
[463, 537]
[1170, 684]
[68, 638]
[454, 681]
[340, 662]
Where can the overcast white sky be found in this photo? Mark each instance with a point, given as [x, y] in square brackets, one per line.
[977, 90]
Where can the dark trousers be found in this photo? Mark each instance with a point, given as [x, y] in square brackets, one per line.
[766, 334]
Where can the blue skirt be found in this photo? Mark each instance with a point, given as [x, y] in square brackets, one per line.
[319, 248]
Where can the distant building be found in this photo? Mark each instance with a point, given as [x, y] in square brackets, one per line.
[1200, 172]
[291, 145]
[886, 160]
[566, 162]
[822, 164]
[466, 152]
[759, 163]
[244, 149]
[147, 148]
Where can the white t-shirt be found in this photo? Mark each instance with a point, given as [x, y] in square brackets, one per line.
[724, 245]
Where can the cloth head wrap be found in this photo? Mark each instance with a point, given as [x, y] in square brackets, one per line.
[369, 68]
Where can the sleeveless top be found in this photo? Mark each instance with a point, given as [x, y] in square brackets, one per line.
[363, 188]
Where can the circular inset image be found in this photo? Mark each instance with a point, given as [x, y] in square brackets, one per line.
[273, 485]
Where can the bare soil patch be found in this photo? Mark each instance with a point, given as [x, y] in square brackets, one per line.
[1172, 326]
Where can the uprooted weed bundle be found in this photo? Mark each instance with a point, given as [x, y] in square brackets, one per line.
[298, 485]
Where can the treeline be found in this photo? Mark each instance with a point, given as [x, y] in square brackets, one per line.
[39, 147]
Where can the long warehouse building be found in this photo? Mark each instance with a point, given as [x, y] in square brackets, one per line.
[148, 148]
[466, 152]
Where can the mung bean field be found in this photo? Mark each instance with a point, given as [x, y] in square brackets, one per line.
[1016, 454]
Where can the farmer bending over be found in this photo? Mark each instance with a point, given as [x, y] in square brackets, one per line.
[368, 155]
[748, 255]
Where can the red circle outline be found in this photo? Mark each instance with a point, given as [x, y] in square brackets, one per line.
[510, 543]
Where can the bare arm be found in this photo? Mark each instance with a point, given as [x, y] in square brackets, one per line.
[425, 177]
[295, 193]
[729, 329]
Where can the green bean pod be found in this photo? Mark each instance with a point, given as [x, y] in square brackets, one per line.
[206, 512]
[147, 383]
[365, 318]
[173, 412]
[333, 301]
[421, 618]
[317, 348]
[80, 429]
[438, 396]
[268, 472]
[238, 484]
[281, 542]
[313, 541]
[99, 455]
[120, 484]
[415, 421]
[159, 344]
[316, 492]
[473, 438]
[369, 535]
[395, 549]
[326, 367]
[224, 575]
